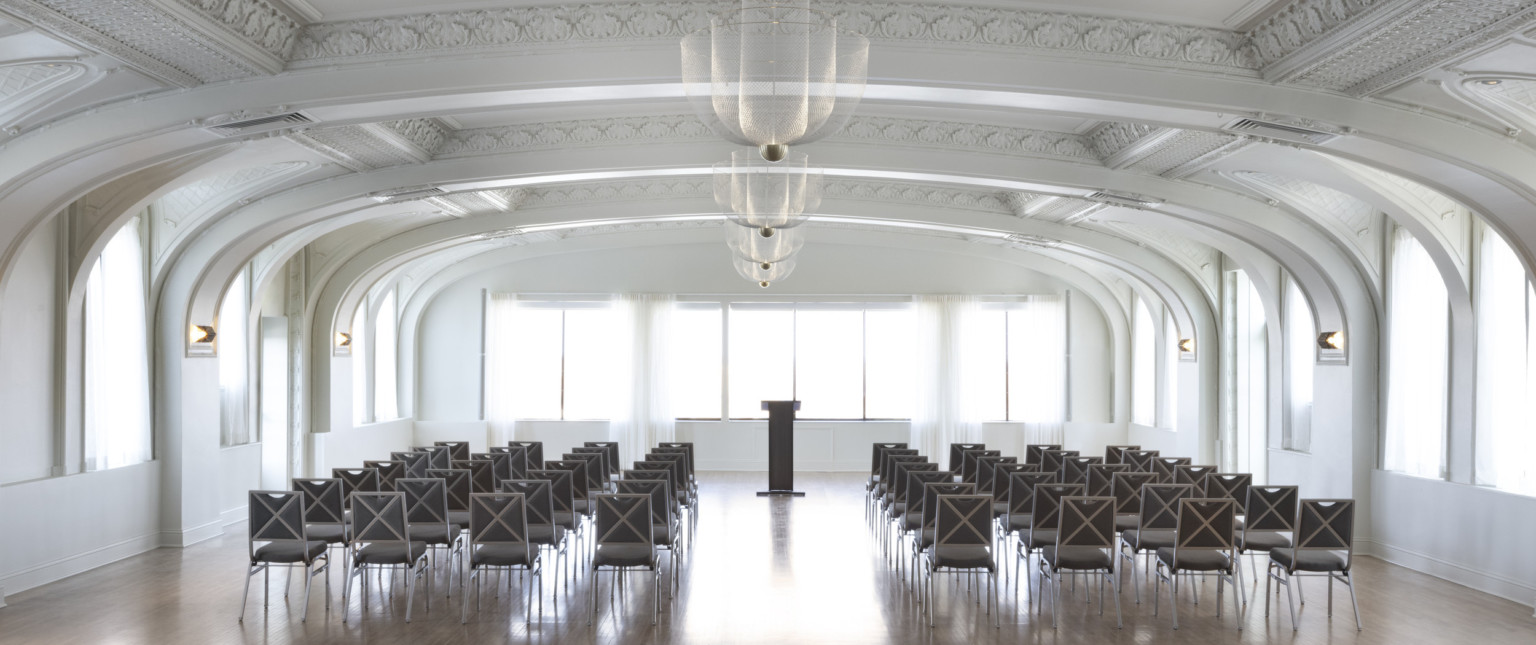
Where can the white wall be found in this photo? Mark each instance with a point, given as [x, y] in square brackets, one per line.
[239, 473]
[28, 324]
[350, 447]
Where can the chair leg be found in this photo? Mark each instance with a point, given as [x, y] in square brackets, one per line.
[1290, 602]
[592, 613]
[247, 595]
[474, 578]
[1119, 618]
[410, 591]
[655, 592]
[1350, 580]
[1174, 595]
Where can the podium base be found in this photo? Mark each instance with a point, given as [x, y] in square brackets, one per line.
[773, 493]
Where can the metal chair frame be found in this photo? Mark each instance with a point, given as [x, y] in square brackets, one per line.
[502, 518]
[1085, 522]
[379, 519]
[1158, 512]
[1204, 524]
[278, 518]
[624, 520]
[964, 521]
[1321, 525]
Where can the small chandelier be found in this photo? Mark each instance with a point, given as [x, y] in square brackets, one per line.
[750, 243]
[768, 196]
[763, 273]
[775, 73]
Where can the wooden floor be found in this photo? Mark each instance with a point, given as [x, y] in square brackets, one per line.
[763, 571]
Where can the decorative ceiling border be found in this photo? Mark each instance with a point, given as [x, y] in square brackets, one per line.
[628, 22]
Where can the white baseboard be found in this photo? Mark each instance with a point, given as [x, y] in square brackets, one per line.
[233, 516]
[65, 567]
[1492, 583]
[191, 536]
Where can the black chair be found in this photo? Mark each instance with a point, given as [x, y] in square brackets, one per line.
[426, 519]
[968, 463]
[962, 543]
[324, 513]
[389, 471]
[1085, 541]
[956, 453]
[624, 541]
[597, 466]
[1033, 452]
[579, 483]
[538, 497]
[1139, 460]
[613, 454]
[1101, 479]
[1051, 460]
[1325, 537]
[1158, 524]
[1166, 467]
[439, 455]
[1074, 470]
[1126, 489]
[517, 461]
[356, 480]
[457, 483]
[498, 539]
[666, 528]
[416, 463]
[1194, 476]
[1112, 454]
[1269, 521]
[457, 450]
[278, 537]
[482, 476]
[380, 538]
[1203, 548]
[501, 465]
[1044, 523]
[986, 467]
[535, 452]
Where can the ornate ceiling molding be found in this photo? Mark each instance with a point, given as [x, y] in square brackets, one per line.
[176, 214]
[375, 145]
[182, 42]
[1353, 221]
[1111, 138]
[1186, 152]
[1445, 216]
[1198, 259]
[1362, 46]
[703, 188]
[1032, 32]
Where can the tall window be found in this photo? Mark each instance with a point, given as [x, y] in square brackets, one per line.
[1506, 369]
[1026, 381]
[563, 368]
[1143, 365]
[1245, 432]
[1170, 369]
[117, 412]
[1417, 328]
[1300, 344]
[234, 394]
[359, 352]
[385, 354]
[697, 360]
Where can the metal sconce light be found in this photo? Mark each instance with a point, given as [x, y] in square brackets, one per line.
[203, 334]
[1330, 340]
[343, 339]
[1187, 345]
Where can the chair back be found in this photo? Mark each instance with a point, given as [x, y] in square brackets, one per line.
[1046, 513]
[562, 497]
[457, 450]
[1205, 524]
[579, 480]
[625, 520]
[534, 452]
[356, 480]
[986, 471]
[1074, 470]
[1051, 460]
[1194, 476]
[1127, 490]
[956, 453]
[598, 466]
[501, 464]
[440, 455]
[968, 463]
[1101, 479]
[1165, 467]
[932, 491]
[322, 499]
[1086, 521]
[675, 450]
[874, 463]
[416, 463]
[888, 476]
[1139, 460]
[679, 464]
[379, 518]
[918, 481]
[613, 453]
[687, 447]
[658, 470]
[964, 520]
[1034, 453]
[456, 482]
[661, 498]
[1327, 525]
[1112, 454]
[1021, 490]
[517, 461]
[1002, 478]
[500, 518]
[1160, 505]
[1233, 485]
[899, 477]
[389, 471]
[536, 496]
[275, 516]
[426, 500]
[1271, 508]
[885, 459]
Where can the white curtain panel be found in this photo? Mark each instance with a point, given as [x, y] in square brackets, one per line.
[1506, 400]
[643, 416]
[500, 412]
[234, 391]
[117, 421]
[943, 412]
[1417, 331]
[385, 357]
[1041, 365]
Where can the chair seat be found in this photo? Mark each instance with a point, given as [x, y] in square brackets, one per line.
[663, 534]
[924, 538]
[503, 555]
[911, 521]
[1195, 560]
[1018, 521]
[1127, 522]
[581, 507]
[959, 557]
[390, 553]
[1078, 558]
[329, 533]
[1307, 560]
[1042, 538]
[1149, 540]
[434, 533]
[999, 509]
[624, 555]
[1262, 541]
[289, 552]
[459, 518]
[898, 509]
[566, 520]
[545, 534]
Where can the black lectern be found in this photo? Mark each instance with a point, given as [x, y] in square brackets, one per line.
[781, 448]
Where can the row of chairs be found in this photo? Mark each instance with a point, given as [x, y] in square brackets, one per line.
[1070, 513]
[393, 513]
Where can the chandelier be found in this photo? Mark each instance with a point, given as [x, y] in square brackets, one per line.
[764, 273]
[775, 73]
[767, 195]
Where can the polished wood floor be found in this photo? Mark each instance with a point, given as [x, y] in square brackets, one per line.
[762, 571]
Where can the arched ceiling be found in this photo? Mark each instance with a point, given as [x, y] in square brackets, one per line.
[1123, 139]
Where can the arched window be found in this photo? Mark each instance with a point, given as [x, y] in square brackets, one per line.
[1417, 329]
[1300, 363]
[385, 352]
[234, 394]
[1506, 369]
[117, 413]
[1143, 365]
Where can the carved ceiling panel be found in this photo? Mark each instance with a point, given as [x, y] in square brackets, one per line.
[1351, 220]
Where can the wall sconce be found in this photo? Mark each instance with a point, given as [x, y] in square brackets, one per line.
[203, 334]
[1187, 345]
[343, 339]
[1331, 340]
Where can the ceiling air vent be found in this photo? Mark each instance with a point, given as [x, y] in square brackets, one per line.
[1131, 200]
[260, 124]
[407, 194]
[1282, 131]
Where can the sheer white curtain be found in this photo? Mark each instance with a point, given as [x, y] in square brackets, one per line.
[1143, 365]
[1300, 344]
[1417, 313]
[234, 391]
[385, 352]
[1038, 368]
[117, 416]
[944, 409]
[500, 411]
[644, 415]
[1506, 383]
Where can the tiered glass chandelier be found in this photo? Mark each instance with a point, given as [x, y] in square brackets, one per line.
[770, 75]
